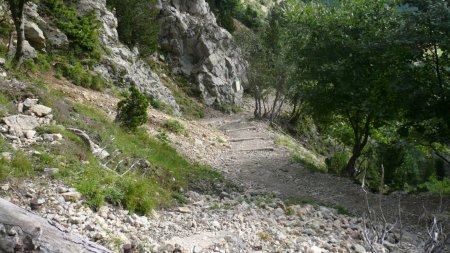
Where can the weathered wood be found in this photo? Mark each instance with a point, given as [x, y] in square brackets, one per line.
[247, 139]
[23, 231]
[241, 129]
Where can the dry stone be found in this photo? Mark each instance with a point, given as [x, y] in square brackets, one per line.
[202, 50]
[34, 35]
[41, 110]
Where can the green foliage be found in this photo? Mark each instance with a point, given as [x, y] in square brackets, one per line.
[132, 111]
[137, 23]
[224, 11]
[20, 165]
[186, 97]
[250, 17]
[80, 76]
[438, 186]
[174, 126]
[140, 190]
[82, 32]
[159, 105]
[351, 61]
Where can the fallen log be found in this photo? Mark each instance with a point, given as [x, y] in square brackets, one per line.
[23, 231]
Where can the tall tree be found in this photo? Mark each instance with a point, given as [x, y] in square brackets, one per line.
[428, 83]
[16, 7]
[349, 54]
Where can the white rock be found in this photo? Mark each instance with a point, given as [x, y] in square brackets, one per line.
[30, 134]
[40, 110]
[71, 196]
[6, 155]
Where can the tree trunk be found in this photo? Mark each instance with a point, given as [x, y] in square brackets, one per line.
[361, 137]
[350, 168]
[16, 7]
[23, 231]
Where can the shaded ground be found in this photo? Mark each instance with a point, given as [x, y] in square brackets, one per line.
[260, 165]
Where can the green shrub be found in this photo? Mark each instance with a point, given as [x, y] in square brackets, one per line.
[137, 23]
[82, 32]
[132, 111]
[224, 11]
[337, 162]
[174, 126]
[82, 77]
[21, 165]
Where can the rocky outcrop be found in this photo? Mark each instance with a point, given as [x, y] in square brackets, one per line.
[34, 35]
[122, 65]
[20, 129]
[202, 50]
[41, 33]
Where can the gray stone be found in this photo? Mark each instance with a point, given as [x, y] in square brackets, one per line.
[51, 170]
[29, 102]
[2, 61]
[358, 248]
[123, 65]
[29, 51]
[19, 124]
[202, 50]
[40, 110]
[30, 134]
[71, 196]
[34, 35]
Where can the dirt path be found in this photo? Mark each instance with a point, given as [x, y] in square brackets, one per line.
[260, 165]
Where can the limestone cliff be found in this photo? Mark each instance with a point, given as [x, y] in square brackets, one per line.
[200, 49]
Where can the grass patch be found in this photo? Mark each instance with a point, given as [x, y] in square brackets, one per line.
[159, 183]
[186, 97]
[302, 155]
[174, 126]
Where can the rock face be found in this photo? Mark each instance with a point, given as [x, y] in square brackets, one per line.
[121, 64]
[40, 33]
[202, 50]
[34, 35]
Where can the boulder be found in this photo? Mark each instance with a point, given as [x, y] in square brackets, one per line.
[20, 124]
[56, 39]
[34, 35]
[28, 51]
[29, 102]
[202, 51]
[41, 110]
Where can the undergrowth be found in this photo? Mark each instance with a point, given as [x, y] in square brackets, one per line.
[159, 183]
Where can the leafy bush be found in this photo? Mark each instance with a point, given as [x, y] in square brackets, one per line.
[249, 17]
[174, 126]
[132, 111]
[82, 32]
[82, 77]
[224, 11]
[137, 23]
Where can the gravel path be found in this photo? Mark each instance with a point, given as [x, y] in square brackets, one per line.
[260, 165]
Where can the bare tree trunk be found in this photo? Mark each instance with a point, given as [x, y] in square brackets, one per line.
[23, 231]
[16, 7]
